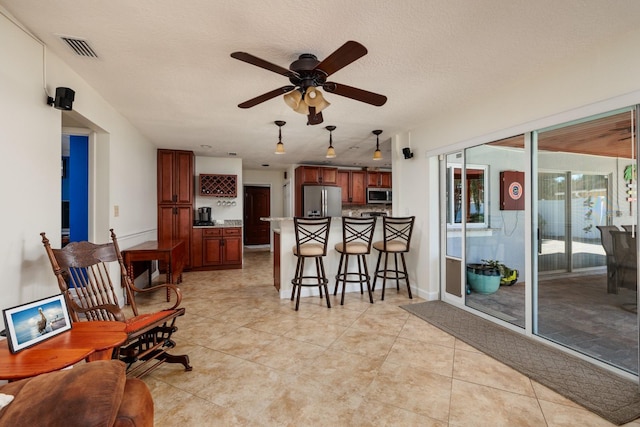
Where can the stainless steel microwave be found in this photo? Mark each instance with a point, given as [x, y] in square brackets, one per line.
[379, 195]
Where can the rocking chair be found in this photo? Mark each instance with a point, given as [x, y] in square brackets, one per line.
[82, 270]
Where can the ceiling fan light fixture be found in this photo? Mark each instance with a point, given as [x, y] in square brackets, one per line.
[279, 145]
[302, 108]
[377, 155]
[313, 98]
[293, 98]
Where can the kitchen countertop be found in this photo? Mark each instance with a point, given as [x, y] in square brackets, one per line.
[222, 224]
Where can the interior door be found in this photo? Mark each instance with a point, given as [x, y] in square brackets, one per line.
[257, 204]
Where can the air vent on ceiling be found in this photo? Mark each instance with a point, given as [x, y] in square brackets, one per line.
[79, 46]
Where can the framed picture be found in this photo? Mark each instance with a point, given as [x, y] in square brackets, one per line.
[34, 322]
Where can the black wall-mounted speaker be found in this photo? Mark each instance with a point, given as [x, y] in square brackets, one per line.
[406, 151]
[64, 98]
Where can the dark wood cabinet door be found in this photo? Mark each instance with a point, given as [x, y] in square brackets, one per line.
[372, 179]
[166, 176]
[276, 260]
[379, 179]
[175, 176]
[232, 250]
[358, 188]
[385, 179]
[212, 251]
[175, 223]
[328, 176]
[344, 178]
[165, 223]
[309, 175]
[196, 247]
[183, 177]
[183, 226]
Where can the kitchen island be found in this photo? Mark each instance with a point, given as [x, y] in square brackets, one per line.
[286, 261]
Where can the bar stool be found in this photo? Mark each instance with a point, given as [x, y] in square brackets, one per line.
[312, 235]
[396, 239]
[357, 234]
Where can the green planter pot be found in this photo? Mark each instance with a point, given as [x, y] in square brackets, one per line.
[483, 278]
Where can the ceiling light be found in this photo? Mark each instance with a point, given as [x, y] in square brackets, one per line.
[377, 155]
[331, 152]
[300, 99]
[279, 145]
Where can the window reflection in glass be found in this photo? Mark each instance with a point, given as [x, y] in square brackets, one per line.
[475, 198]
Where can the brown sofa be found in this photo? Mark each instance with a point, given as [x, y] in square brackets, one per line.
[89, 394]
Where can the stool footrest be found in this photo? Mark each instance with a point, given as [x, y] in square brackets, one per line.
[319, 281]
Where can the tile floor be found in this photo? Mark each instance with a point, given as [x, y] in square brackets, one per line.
[257, 362]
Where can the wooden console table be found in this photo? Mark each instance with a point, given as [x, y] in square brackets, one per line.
[85, 340]
[172, 253]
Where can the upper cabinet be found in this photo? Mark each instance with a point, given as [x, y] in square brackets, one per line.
[353, 184]
[316, 175]
[379, 179]
[175, 177]
[218, 185]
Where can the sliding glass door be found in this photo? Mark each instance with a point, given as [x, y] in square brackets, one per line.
[586, 287]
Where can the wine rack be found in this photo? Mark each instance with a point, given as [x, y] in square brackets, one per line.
[218, 185]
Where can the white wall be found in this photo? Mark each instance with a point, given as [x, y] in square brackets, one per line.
[223, 166]
[601, 81]
[30, 138]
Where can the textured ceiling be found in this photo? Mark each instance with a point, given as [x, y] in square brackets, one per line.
[165, 64]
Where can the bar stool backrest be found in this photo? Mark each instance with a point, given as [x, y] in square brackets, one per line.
[313, 232]
[397, 233]
[358, 231]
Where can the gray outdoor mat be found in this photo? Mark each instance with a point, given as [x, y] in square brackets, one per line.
[611, 396]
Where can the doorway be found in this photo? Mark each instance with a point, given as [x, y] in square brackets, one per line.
[75, 188]
[257, 204]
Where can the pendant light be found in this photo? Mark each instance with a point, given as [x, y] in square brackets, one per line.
[377, 155]
[331, 152]
[279, 145]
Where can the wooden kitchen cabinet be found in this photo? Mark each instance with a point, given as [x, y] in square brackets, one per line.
[312, 175]
[175, 177]
[353, 184]
[276, 260]
[379, 179]
[316, 175]
[175, 198]
[175, 223]
[219, 248]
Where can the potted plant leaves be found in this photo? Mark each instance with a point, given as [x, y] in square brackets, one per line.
[508, 276]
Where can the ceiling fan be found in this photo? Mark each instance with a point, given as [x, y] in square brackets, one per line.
[308, 73]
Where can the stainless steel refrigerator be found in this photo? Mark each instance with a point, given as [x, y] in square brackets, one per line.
[319, 200]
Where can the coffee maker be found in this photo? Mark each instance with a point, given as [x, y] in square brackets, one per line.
[204, 216]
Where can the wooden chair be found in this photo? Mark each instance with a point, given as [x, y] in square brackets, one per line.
[82, 270]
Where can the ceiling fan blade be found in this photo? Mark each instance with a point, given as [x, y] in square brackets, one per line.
[254, 60]
[343, 56]
[355, 93]
[314, 118]
[266, 96]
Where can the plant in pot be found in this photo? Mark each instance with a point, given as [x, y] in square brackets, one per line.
[483, 278]
[508, 276]
[486, 278]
